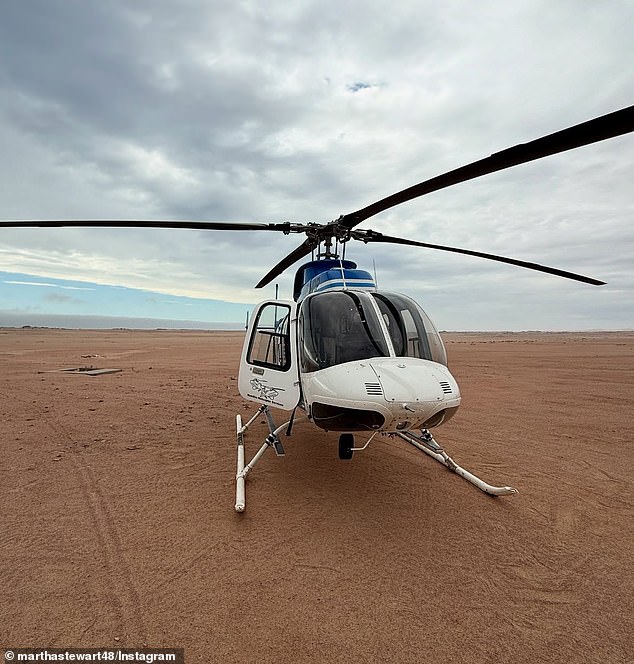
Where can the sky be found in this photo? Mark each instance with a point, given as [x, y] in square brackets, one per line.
[301, 111]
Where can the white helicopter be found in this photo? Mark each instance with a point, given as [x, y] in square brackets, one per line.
[350, 357]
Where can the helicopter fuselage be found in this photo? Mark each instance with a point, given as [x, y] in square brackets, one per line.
[353, 357]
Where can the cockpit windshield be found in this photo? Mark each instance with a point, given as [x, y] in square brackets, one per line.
[345, 326]
[338, 327]
[410, 328]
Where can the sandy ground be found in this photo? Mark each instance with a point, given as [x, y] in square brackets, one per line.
[118, 525]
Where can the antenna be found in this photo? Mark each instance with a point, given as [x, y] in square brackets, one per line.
[277, 289]
[343, 275]
[376, 282]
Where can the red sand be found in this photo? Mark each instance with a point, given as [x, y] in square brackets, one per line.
[118, 526]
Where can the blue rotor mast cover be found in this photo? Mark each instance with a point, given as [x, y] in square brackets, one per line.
[326, 273]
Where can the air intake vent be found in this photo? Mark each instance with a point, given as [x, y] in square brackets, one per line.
[446, 387]
[374, 389]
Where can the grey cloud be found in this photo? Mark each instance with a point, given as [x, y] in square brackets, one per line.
[242, 113]
[60, 298]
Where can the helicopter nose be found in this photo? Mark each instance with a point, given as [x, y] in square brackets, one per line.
[415, 381]
[419, 393]
[387, 394]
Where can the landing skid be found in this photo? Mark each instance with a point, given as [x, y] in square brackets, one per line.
[272, 440]
[423, 441]
[426, 443]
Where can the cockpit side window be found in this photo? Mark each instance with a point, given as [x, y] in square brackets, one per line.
[339, 327]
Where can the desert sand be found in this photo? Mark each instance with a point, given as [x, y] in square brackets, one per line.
[118, 526]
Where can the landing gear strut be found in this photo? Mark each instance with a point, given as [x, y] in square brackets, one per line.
[272, 440]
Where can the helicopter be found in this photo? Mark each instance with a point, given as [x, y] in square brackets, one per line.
[345, 355]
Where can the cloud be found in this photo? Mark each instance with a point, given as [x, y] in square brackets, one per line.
[60, 298]
[306, 111]
[45, 285]
[358, 85]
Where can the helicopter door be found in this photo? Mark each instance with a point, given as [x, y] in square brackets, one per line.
[268, 367]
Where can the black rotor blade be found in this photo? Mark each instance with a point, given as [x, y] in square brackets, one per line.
[121, 223]
[303, 250]
[379, 237]
[599, 129]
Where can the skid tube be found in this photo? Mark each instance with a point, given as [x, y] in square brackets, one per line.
[426, 443]
[272, 440]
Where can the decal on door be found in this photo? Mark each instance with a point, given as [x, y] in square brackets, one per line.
[265, 392]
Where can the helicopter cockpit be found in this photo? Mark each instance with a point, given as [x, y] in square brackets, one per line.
[345, 326]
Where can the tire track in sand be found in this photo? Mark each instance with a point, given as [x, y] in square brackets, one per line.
[118, 587]
[121, 590]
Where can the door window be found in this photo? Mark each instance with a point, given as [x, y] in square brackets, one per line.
[270, 340]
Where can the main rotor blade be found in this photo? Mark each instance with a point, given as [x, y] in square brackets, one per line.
[121, 223]
[303, 250]
[599, 129]
[372, 236]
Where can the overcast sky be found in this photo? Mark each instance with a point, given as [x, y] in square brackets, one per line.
[302, 111]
